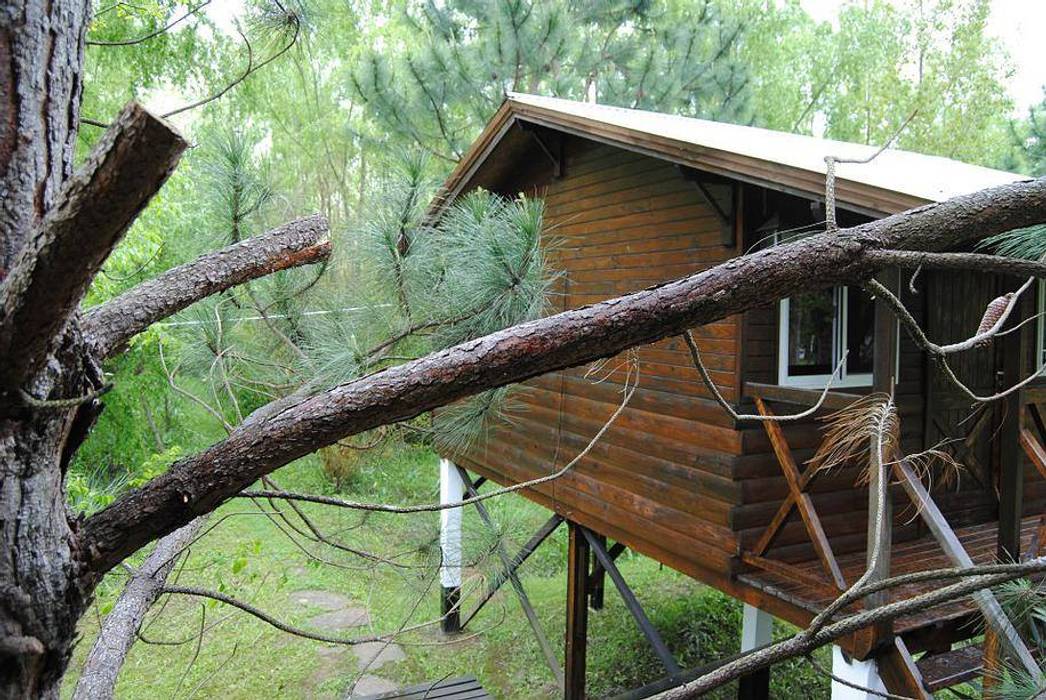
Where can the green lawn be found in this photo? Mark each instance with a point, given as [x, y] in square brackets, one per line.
[248, 556]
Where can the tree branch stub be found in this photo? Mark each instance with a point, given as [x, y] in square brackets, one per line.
[94, 209]
[300, 242]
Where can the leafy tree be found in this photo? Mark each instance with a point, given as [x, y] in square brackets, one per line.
[440, 70]
[1029, 138]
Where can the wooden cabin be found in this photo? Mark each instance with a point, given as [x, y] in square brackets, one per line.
[635, 198]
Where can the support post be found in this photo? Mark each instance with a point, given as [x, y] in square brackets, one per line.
[1011, 461]
[757, 630]
[577, 613]
[597, 579]
[451, 490]
[861, 673]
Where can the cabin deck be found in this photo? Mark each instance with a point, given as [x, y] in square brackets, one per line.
[797, 602]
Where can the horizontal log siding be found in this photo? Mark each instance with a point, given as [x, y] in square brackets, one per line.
[661, 479]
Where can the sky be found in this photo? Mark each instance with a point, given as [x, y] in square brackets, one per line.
[1018, 24]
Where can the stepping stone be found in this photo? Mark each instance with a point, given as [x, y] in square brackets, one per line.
[371, 685]
[343, 619]
[374, 655]
[325, 600]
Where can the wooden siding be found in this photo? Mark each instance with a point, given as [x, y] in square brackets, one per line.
[661, 478]
[674, 478]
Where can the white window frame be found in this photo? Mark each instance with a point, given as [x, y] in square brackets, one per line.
[839, 346]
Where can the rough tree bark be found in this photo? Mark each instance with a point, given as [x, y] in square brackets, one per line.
[42, 591]
[298, 243]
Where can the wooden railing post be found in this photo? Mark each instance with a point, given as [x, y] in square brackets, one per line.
[1011, 462]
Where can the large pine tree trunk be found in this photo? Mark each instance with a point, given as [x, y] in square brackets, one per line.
[41, 594]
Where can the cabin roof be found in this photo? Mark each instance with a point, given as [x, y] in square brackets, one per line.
[894, 181]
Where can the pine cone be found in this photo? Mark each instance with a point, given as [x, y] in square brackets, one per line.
[992, 314]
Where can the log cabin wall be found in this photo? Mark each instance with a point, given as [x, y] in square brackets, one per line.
[674, 478]
[661, 479]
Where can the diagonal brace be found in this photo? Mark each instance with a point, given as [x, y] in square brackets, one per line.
[645, 626]
[524, 600]
[800, 499]
[524, 553]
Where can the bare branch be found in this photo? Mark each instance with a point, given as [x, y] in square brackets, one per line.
[119, 631]
[94, 209]
[800, 645]
[433, 507]
[913, 260]
[115, 322]
[877, 290]
[284, 627]
[199, 483]
[706, 377]
[146, 37]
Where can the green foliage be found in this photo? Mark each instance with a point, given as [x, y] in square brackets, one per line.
[884, 62]
[440, 70]
[1028, 243]
[417, 285]
[1029, 137]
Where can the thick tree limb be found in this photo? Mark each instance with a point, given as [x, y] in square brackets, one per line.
[200, 483]
[93, 210]
[120, 629]
[115, 322]
[980, 262]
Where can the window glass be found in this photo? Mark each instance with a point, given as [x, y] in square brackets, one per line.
[860, 332]
[811, 330]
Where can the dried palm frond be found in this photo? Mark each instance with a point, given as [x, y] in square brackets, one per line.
[850, 431]
[933, 461]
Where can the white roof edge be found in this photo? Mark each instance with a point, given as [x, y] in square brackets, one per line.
[926, 177]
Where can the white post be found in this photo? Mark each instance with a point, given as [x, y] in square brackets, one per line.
[451, 490]
[757, 629]
[862, 673]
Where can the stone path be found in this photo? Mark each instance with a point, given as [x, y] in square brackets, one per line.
[339, 615]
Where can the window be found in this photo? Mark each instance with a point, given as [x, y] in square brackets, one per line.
[817, 328]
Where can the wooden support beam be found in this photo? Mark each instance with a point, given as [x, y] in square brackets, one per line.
[1011, 465]
[899, 672]
[725, 213]
[524, 600]
[597, 579]
[1034, 449]
[953, 549]
[645, 626]
[524, 553]
[550, 142]
[577, 613]
[801, 498]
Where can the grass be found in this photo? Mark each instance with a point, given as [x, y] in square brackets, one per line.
[247, 556]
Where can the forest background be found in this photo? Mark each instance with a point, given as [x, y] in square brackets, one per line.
[357, 109]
